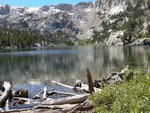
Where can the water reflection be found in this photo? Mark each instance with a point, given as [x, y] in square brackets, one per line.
[69, 63]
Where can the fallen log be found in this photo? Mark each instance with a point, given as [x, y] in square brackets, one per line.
[66, 100]
[64, 107]
[5, 87]
[26, 101]
[50, 93]
[83, 89]
[77, 89]
[49, 101]
[16, 110]
[80, 108]
[60, 93]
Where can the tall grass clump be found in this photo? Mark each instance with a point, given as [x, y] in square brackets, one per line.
[132, 96]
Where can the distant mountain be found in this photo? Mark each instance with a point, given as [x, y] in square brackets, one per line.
[114, 22]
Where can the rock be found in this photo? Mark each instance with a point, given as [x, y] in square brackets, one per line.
[38, 45]
[105, 16]
[98, 83]
[115, 39]
[44, 8]
[84, 4]
[4, 10]
[127, 73]
[64, 7]
[142, 41]
[114, 78]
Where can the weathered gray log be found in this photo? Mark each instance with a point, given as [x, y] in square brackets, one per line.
[61, 93]
[26, 101]
[87, 105]
[50, 93]
[49, 101]
[60, 84]
[66, 107]
[70, 87]
[83, 89]
[66, 100]
[16, 110]
[5, 94]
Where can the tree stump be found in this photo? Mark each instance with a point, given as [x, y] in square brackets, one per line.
[89, 79]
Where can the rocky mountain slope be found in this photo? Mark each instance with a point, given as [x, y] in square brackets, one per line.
[114, 22]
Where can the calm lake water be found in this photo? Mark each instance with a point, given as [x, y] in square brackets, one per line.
[33, 67]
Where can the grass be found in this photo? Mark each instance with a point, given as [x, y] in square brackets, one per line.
[131, 96]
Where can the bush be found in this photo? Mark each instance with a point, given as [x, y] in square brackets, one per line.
[129, 97]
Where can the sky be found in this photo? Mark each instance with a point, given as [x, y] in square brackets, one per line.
[36, 3]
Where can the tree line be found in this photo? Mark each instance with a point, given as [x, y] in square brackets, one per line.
[18, 38]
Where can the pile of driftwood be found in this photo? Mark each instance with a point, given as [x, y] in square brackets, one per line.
[70, 102]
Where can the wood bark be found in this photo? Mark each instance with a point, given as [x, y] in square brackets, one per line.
[66, 100]
[89, 80]
[77, 89]
[5, 94]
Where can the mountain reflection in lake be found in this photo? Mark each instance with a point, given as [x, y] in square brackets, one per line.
[68, 63]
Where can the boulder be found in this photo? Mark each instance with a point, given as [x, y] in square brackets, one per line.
[4, 10]
[142, 41]
[115, 39]
[114, 78]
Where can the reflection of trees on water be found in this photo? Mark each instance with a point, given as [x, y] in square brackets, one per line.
[33, 66]
[100, 61]
[137, 56]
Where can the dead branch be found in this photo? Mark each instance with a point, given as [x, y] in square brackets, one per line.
[60, 84]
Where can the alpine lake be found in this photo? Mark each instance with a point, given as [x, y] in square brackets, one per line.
[33, 68]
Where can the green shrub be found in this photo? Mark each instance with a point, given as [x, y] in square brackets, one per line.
[129, 97]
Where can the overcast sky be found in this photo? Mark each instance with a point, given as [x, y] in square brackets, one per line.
[39, 2]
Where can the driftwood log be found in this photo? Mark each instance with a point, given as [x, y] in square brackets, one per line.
[5, 88]
[77, 89]
[68, 108]
[66, 100]
[49, 93]
[83, 89]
